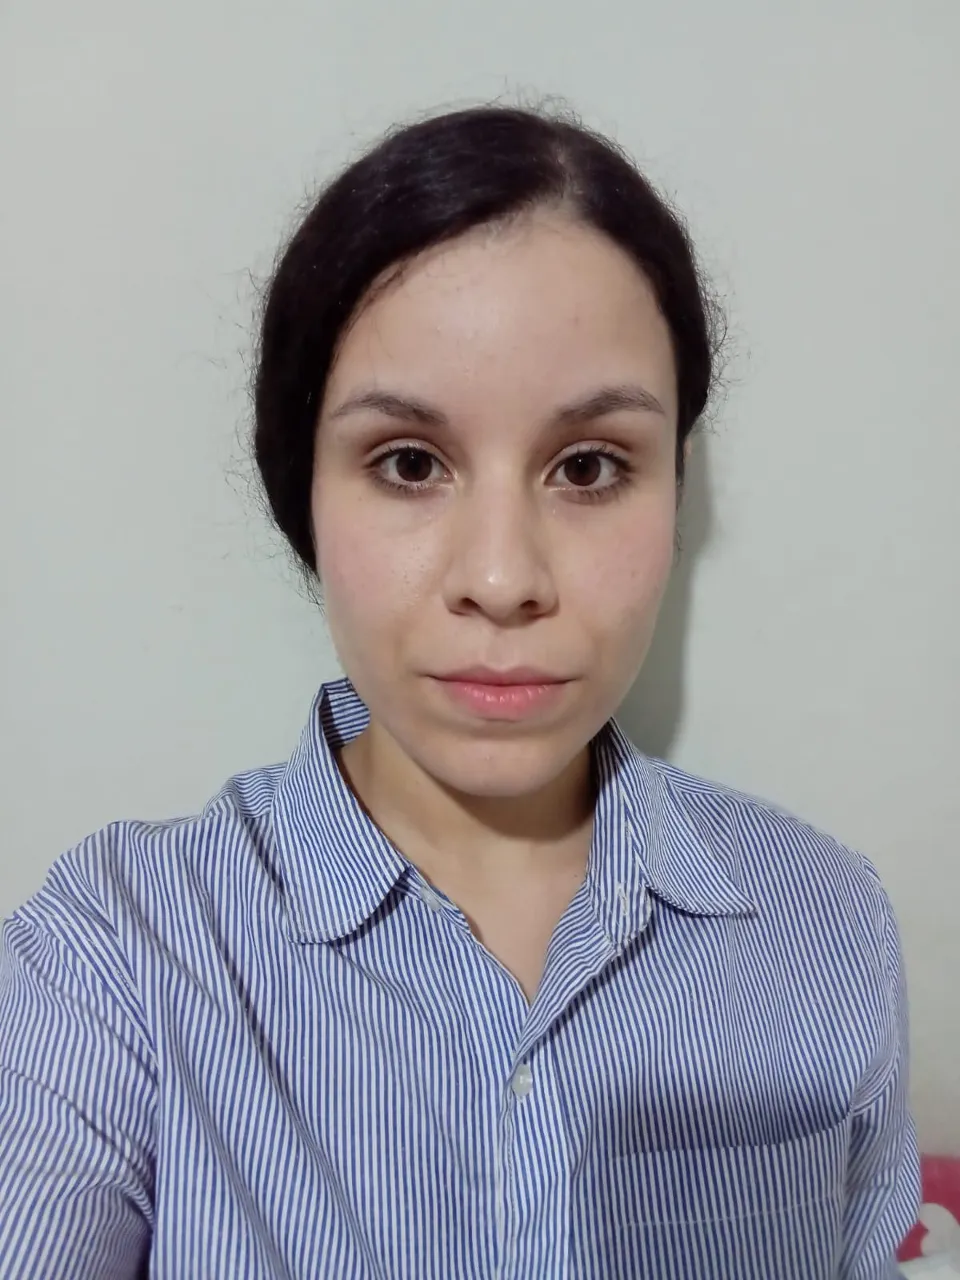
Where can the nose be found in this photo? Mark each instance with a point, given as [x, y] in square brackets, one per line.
[499, 561]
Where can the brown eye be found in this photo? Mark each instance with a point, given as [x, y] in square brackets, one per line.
[413, 466]
[593, 472]
[408, 469]
[583, 469]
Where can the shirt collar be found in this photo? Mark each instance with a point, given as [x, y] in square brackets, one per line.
[646, 841]
[336, 864]
[338, 868]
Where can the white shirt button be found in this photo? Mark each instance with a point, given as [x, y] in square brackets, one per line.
[430, 898]
[522, 1081]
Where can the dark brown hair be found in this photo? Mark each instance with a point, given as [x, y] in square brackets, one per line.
[425, 183]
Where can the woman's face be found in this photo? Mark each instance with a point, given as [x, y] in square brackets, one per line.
[494, 487]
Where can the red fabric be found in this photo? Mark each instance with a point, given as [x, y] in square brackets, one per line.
[941, 1185]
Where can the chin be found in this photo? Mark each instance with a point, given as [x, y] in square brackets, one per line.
[499, 768]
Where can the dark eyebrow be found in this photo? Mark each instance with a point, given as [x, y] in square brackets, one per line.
[609, 400]
[393, 406]
[595, 405]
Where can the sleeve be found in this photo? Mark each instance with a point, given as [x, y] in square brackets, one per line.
[883, 1171]
[77, 1091]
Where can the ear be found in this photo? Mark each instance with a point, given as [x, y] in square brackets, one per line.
[687, 448]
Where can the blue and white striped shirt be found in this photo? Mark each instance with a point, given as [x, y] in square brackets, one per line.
[256, 1043]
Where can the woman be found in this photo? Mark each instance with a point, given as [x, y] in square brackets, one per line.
[468, 988]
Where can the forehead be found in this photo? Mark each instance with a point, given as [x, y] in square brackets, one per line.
[540, 309]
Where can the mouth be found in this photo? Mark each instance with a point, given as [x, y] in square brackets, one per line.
[514, 694]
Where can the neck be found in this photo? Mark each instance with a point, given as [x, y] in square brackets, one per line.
[445, 831]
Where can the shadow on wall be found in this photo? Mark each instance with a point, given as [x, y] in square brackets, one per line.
[652, 712]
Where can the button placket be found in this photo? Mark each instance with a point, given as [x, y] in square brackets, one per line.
[431, 898]
[521, 1082]
[536, 1167]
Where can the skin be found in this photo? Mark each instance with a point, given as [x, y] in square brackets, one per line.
[499, 548]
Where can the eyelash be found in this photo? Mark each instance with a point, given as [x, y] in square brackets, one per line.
[624, 472]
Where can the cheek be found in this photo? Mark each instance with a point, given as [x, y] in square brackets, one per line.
[627, 576]
[352, 576]
[366, 570]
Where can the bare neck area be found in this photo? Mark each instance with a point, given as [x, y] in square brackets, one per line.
[512, 864]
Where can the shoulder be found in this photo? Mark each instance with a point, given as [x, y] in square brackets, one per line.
[822, 933]
[131, 870]
[783, 863]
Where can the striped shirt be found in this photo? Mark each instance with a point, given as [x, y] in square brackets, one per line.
[257, 1043]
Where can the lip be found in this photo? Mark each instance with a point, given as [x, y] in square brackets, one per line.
[519, 693]
[512, 676]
